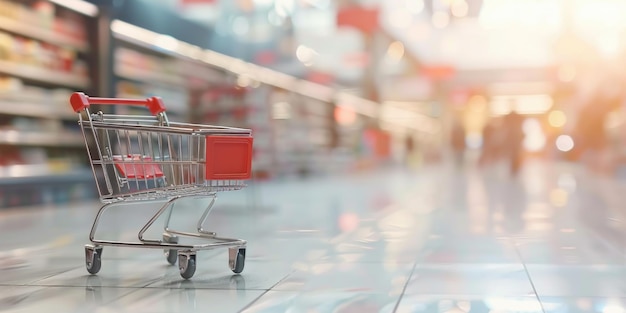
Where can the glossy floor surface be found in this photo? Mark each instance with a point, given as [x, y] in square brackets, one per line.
[429, 240]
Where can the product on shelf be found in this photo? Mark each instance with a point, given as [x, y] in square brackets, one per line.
[30, 52]
[10, 85]
[45, 13]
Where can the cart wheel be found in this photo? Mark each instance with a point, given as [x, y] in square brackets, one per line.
[236, 259]
[93, 259]
[170, 254]
[187, 265]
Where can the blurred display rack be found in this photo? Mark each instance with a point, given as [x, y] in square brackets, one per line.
[35, 99]
[55, 139]
[239, 68]
[39, 33]
[39, 173]
[167, 45]
[148, 76]
[27, 185]
[35, 110]
[50, 77]
[230, 104]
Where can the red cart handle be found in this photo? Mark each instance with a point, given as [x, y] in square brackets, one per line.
[80, 101]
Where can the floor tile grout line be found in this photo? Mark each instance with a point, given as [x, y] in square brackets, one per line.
[140, 287]
[406, 284]
[115, 299]
[265, 292]
[532, 284]
[51, 275]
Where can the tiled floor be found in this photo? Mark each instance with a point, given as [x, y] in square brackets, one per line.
[433, 240]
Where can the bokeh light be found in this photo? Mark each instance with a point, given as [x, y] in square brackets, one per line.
[564, 143]
[557, 119]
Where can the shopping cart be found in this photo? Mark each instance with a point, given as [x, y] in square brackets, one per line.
[140, 159]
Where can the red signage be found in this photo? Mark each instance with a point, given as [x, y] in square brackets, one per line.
[364, 19]
[188, 2]
[438, 72]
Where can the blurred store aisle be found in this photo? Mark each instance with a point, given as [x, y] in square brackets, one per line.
[432, 240]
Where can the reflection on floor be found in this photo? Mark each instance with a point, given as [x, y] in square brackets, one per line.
[433, 240]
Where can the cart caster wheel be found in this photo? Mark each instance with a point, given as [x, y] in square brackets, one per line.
[236, 259]
[93, 259]
[187, 265]
[170, 254]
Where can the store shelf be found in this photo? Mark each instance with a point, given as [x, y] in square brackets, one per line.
[55, 139]
[43, 75]
[35, 110]
[35, 32]
[41, 174]
[149, 76]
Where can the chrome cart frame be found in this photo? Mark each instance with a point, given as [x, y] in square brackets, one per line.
[150, 160]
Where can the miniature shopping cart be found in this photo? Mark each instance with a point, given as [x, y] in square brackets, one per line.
[148, 159]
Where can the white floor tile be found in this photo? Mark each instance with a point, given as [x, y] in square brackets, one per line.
[345, 277]
[58, 299]
[157, 300]
[427, 241]
[323, 302]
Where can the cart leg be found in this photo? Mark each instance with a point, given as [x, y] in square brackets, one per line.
[96, 221]
[204, 217]
[168, 218]
[170, 254]
[152, 220]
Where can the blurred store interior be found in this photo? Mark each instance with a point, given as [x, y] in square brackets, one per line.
[329, 88]
[351, 84]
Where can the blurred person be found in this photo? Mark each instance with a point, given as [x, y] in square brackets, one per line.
[591, 137]
[514, 139]
[458, 143]
[491, 142]
[409, 149]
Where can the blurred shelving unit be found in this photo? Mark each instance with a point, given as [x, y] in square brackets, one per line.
[293, 120]
[45, 55]
[194, 90]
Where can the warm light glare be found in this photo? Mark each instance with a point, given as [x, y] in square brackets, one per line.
[401, 19]
[305, 54]
[567, 73]
[459, 8]
[415, 6]
[565, 143]
[440, 19]
[477, 103]
[396, 50]
[522, 104]
[535, 139]
[344, 115]
[419, 32]
[534, 142]
[557, 119]
[558, 197]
